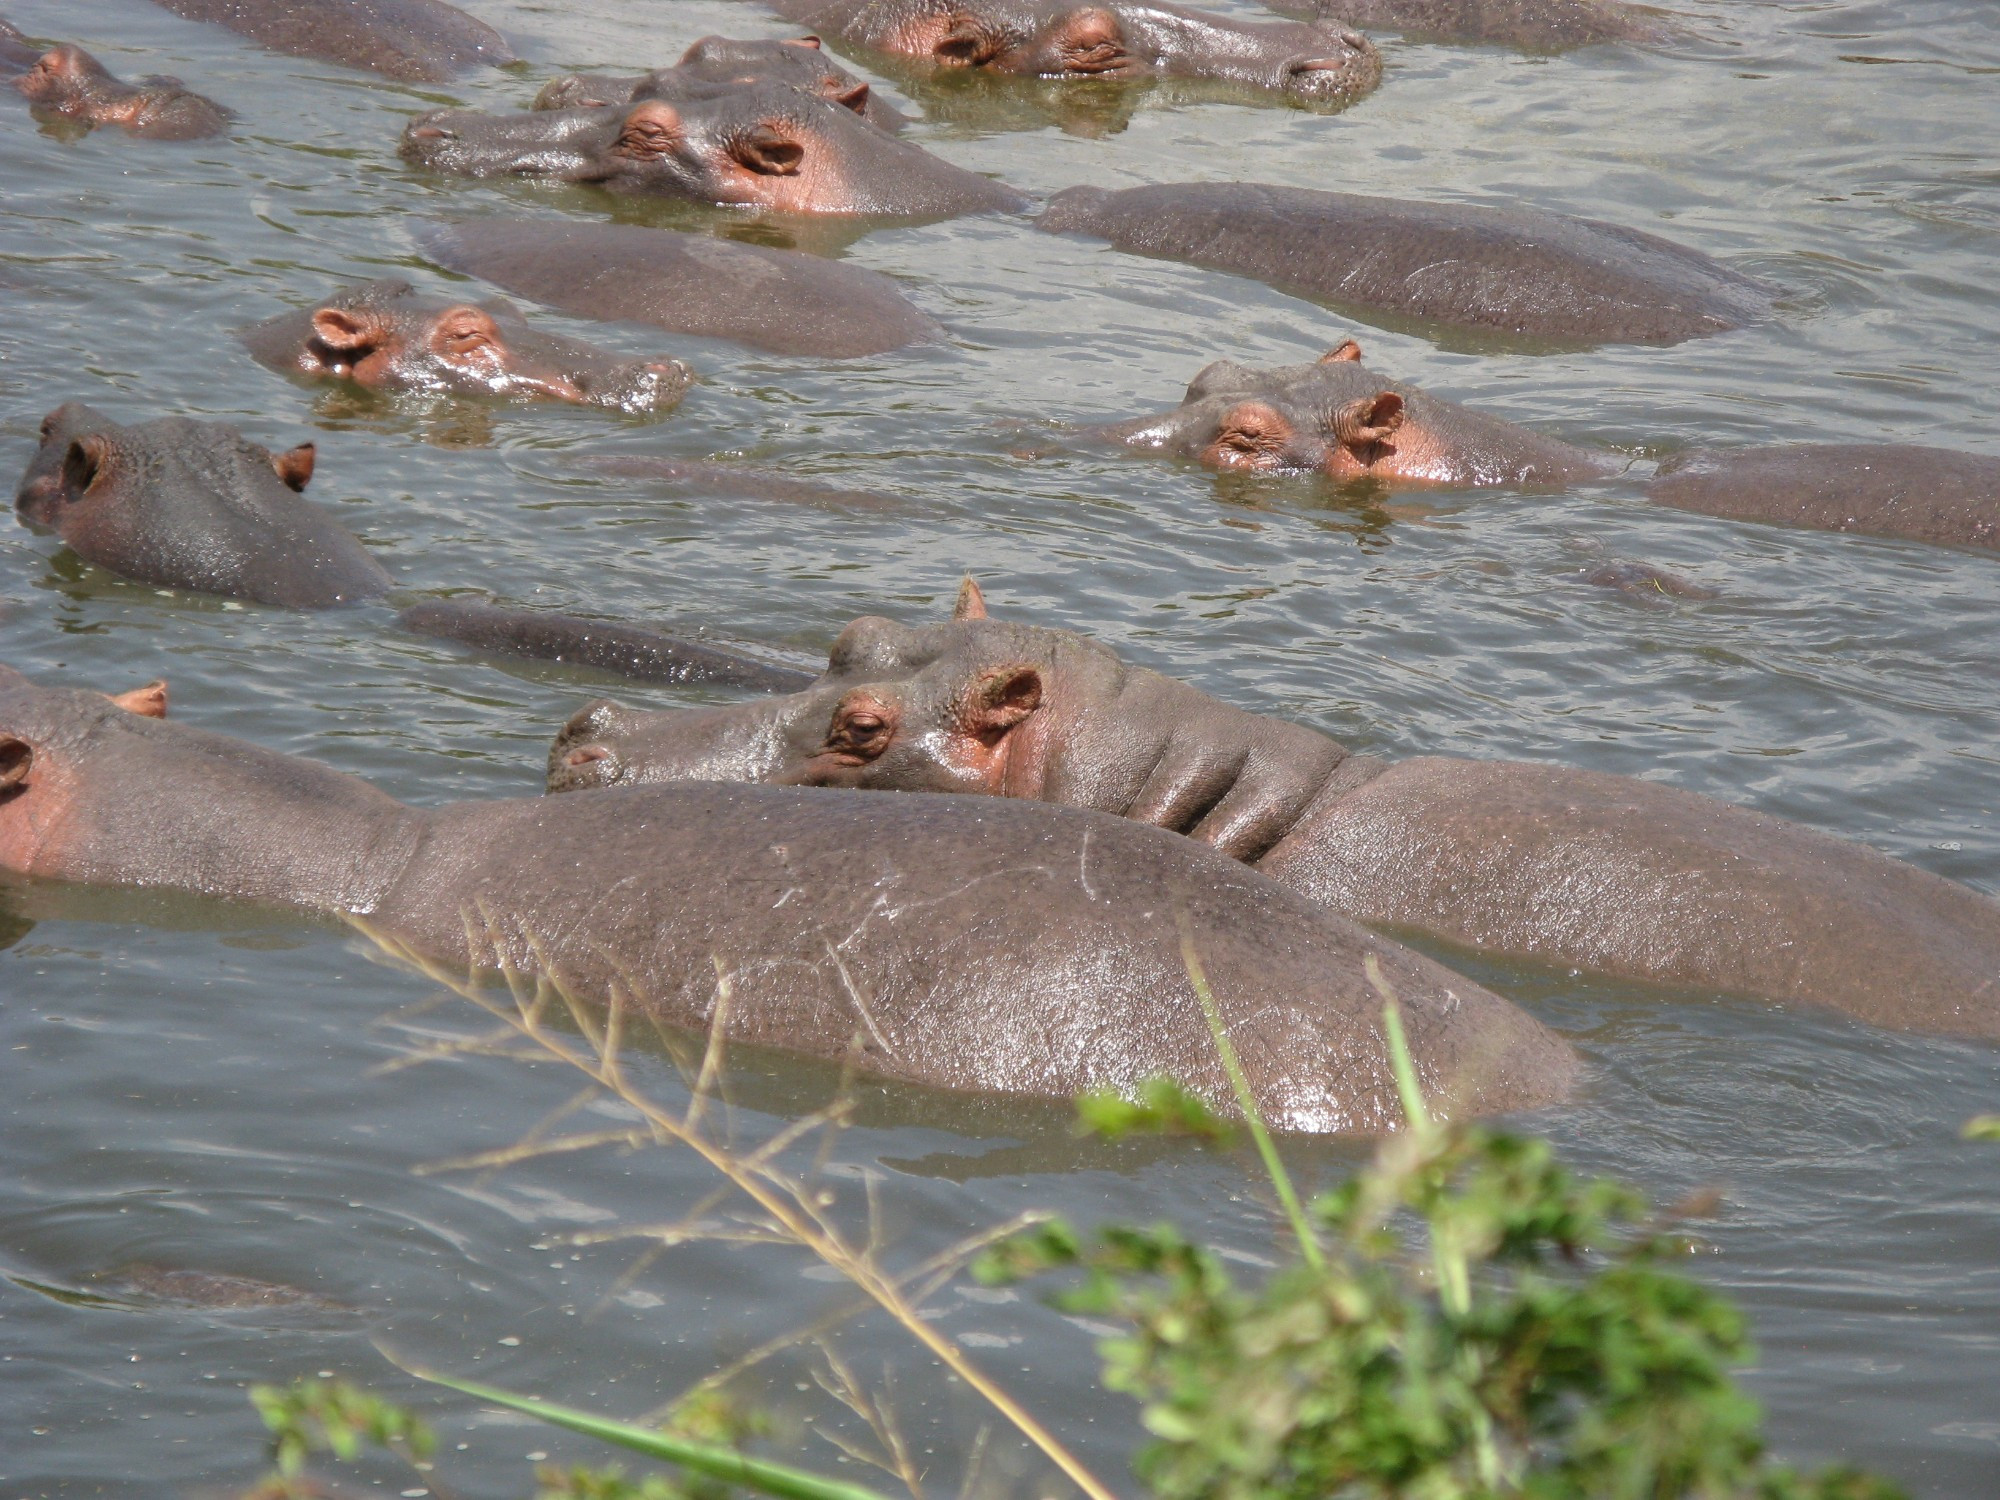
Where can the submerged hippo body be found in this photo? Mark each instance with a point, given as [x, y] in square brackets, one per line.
[1607, 874]
[68, 81]
[953, 942]
[192, 505]
[762, 145]
[1311, 63]
[385, 336]
[1530, 25]
[1873, 489]
[1511, 273]
[1339, 419]
[723, 62]
[417, 41]
[778, 300]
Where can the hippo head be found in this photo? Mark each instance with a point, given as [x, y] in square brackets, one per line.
[1333, 418]
[385, 336]
[48, 737]
[89, 469]
[1312, 62]
[955, 707]
[68, 81]
[192, 505]
[758, 146]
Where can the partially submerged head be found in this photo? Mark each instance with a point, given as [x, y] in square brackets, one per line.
[717, 62]
[1309, 62]
[386, 336]
[49, 738]
[68, 81]
[954, 707]
[1334, 419]
[757, 146]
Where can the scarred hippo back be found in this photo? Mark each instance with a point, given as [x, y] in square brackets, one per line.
[1874, 489]
[779, 300]
[418, 41]
[1512, 272]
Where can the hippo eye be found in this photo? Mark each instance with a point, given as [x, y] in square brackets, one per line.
[863, 724]
[646, 140]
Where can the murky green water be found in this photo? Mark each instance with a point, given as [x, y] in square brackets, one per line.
[196, 1088]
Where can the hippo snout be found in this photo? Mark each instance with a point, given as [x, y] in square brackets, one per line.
[430, 127]
[645, 386]
[1346, 65]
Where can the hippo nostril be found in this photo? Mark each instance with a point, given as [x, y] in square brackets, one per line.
[1354, 39]
[1318, 65]
[433, 133]
[585, 755]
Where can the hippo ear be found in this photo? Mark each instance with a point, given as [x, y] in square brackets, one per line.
[345, 330]
[770, 149]
[854, 98]
[17, 756]
[971, 603]
[999, 699]
[803, 41]
[295, 465]
[1369, 420]
[1344, 353]
[148, 702]
[85, 457]
[1089, 29]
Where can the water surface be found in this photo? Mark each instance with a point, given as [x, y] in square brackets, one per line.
[199, 1089]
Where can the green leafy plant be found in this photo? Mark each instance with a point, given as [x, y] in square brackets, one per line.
[1465, 1320]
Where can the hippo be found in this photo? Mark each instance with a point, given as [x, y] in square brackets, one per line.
[1507, 275]
[958, 943]
[192, 505]
[69, 82]
[780, 301]
[1309, 63]
[385, 336]
[1545, 26]
[416, 41]
[1899, 490]
[764, 145]
[721, 62]
[1607, 875]
[1339, 419]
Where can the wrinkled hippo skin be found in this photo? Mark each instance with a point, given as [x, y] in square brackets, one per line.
[417, 41]
[641, 655]
[1339, 419]
[1311, 63]
[1514, 273]
[763, 145]
[953, 942]
[1530, 25]
[1607, 874]
[1873, 489]
[385, 336]
[776, 300]
[68, 81]
[192, 505]
[717, 62]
